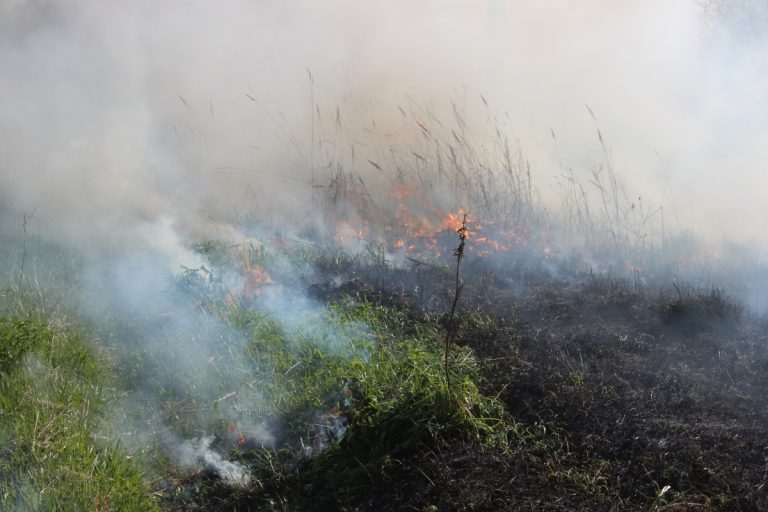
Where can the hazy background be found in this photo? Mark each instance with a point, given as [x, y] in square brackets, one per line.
[137, 121]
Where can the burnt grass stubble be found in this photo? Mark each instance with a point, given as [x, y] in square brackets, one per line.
[620, 396]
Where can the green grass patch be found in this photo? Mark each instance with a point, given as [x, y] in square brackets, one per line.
[50, 387]
[373, 363]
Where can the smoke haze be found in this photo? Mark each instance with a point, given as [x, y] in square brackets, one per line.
[115, 114]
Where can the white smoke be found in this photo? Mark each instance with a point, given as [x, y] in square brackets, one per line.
[198, 452]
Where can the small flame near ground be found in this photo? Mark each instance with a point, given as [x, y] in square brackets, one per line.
[240, 439]
[253, 279]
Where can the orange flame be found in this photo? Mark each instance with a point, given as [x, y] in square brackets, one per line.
[419, 227]
[254, 279]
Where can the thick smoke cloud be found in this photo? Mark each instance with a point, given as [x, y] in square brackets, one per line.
[116, 114]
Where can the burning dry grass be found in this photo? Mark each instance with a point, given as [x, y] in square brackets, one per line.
[436, 171]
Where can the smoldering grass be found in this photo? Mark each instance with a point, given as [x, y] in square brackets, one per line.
[198, 373]
[390, 390]
[377, 370]
[232, 473]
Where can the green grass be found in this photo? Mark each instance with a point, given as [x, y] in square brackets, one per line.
[391, 367]
[50, 403]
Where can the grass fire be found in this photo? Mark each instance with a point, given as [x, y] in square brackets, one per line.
[434, 256]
